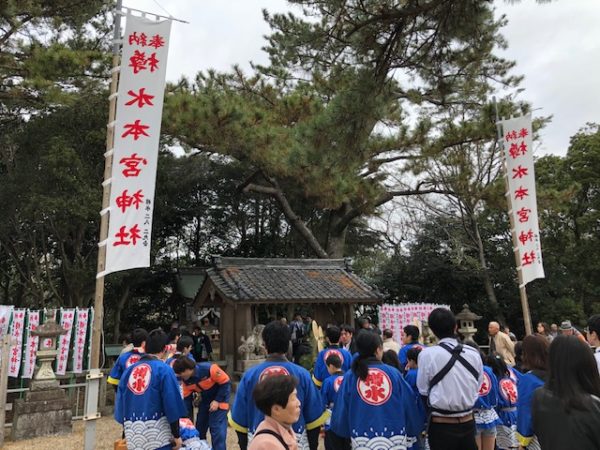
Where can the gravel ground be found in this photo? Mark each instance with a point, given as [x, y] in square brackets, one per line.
[107, 432]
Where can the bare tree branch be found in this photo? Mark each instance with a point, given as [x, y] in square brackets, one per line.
[384, 198]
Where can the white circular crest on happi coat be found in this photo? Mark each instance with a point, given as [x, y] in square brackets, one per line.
[508, 390]
[139, 378]
[376, 389]
[333, 351]
[132, 360]
[486, 385]
[272, 371]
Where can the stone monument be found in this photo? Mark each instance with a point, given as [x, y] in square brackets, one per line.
[427, 335]
[252, 349]
[45, 410]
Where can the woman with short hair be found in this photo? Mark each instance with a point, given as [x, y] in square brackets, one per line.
[566, 411]
[276, 398]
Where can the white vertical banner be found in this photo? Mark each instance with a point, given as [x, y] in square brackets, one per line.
[518, 153]
[135, 152]
[89, 341]
[31, 344]
[81, 326]
[18, 324]
[64, 341]
[396, 317]
[5, 315]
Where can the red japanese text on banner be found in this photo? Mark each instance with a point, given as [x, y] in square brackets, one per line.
[5, 315]
[396, 317]
[518, 151]
[81, 326]
[64, 342]
[89, 344]
[18, 323]
[137, 132]
[31, 344]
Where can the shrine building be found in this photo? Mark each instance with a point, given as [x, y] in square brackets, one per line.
[250, 291]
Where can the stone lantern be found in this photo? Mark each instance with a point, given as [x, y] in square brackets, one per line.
[46, 409]
[467, 318]
[48, 334]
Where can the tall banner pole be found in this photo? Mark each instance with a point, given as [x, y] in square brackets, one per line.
[98, 323]
[519, 240]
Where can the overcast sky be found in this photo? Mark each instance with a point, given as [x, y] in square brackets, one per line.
[556, 47]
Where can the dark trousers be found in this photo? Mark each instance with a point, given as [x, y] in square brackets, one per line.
[335, 442]
[189, 406]
[217, 422]
[452, 436]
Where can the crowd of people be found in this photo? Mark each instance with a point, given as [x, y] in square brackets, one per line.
[366, 391]
[159, 378]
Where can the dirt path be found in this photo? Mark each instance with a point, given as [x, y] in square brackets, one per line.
[107, 432]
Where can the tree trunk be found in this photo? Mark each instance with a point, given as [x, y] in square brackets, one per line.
[485, 274]
[336, 244]
[336, 233]
[293, 219]
[118, 310]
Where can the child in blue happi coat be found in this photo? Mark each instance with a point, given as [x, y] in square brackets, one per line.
[506, 436]
[486, 418]
[412, 369]
[332, 334]
[329, 391]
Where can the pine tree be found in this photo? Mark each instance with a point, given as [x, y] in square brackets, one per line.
[353, 96]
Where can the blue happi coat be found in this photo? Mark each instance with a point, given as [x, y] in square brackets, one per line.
[148, 401]
[528, 384]
[380, 412]
[124, 361]
[245, 416]
[411, 378]
[402, 354]
[507, 398]
[485, 414]
[320, 373]
[329, 392]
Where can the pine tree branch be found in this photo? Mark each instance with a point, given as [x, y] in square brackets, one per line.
[296, 222]
[384, 198]
[14, 27]
[397, 14]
